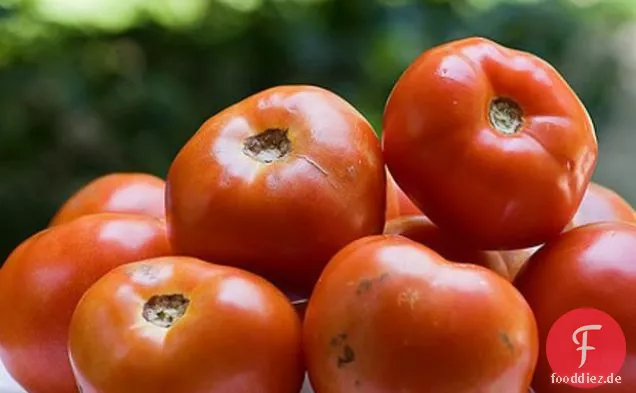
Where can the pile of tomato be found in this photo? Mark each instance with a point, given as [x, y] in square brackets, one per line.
[289, 240]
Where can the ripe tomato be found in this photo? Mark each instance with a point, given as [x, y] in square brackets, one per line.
[602, 204]
[179, 324]
[391, 315]
[423, 231]
[490, 143]
[277, 184]
[515, 259]
[398, 204]
[137, 193]
[44, 278]
[594, 266]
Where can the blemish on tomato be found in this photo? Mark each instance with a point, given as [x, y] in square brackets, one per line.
[507, 342]
[347, 356]
[366, 284]
[409, 297]
[338, 340]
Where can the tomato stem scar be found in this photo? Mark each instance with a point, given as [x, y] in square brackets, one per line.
[268, 146]
[165, 310]
[505, 115]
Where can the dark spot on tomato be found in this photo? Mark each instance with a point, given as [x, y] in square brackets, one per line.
[347, 356]
[366, 284]
[506, 340]
[338, 340]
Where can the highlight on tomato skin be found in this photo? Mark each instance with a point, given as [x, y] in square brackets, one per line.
[594, 267]
[276, 184]
[44, 278]
[486, 149]
[398, 203]
[389, 314]
[600, 204]
[179, 324]
[421, 230]
[120, 192]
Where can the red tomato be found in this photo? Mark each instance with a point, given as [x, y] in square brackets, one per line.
[277, 184]
[516, 259]
[423, 231]
[44, 278]
[398, 204]
[594, 268]
[182, 325]
[136, 193]
[602, 204]
[490, 143]
[391, 315]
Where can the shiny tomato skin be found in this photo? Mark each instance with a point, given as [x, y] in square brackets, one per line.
[516, 259]
[398, 203]
[324, 187]
[238, 333]
[458, 164]
[134, 193]
[390, 315]
[601, 204]
[595, 267]
[421, 230]
[44, 278]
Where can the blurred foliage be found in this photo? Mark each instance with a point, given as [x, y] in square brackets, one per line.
[95, 86]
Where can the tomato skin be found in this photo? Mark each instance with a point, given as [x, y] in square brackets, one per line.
[391, 315]
[516, 259]
[600, 204]
[398, 204]
[238, 334]
[503, 191]
[594, 266]
[134, 193]
[225, 206]
[421, 230]
[44, 278]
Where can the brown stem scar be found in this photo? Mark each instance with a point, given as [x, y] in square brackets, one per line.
[268, 146]
[505, 115]
[165, 310]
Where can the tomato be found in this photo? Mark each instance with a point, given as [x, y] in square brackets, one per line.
[179, 324]
[391, 315]
[490, 143]
[44, 278]
[423, 231]
[398, 203]
[392, 199]
[594, 267]
[602, 204]
[135, 193]
[516, 259]
[277, 184]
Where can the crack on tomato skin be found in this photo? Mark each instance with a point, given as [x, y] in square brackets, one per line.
[320, 169]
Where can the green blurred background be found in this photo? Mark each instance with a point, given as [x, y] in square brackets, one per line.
[89, 87]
